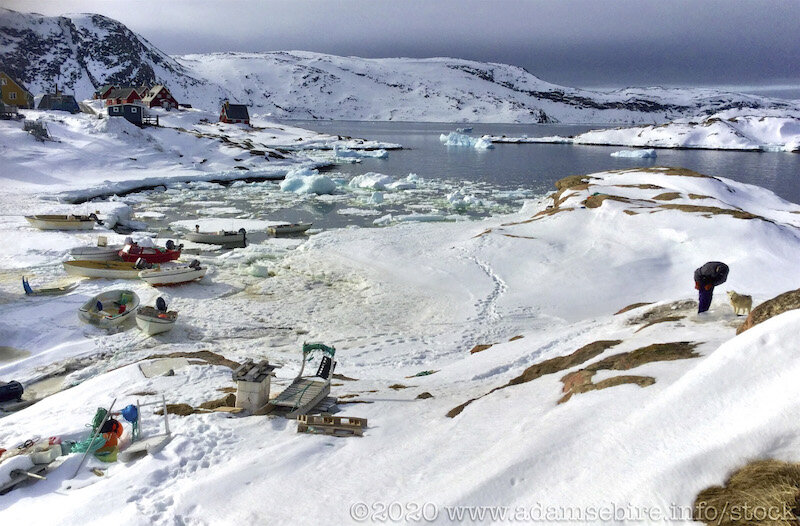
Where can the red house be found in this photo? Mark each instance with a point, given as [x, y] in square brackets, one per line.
[159, 97]
[103, 91]
[234, 113]
[122, 96]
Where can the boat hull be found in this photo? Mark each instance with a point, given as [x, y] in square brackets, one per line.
[150, 255]
[227, 239]
[102, 269]
[55, 222]
[284, 230]
[110, 301]
[153, 325]
[110, 253]
[173, 276]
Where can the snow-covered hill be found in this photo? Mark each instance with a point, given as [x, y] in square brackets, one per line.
[80, 52]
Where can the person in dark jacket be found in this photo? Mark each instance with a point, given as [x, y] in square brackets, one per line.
[706, 278]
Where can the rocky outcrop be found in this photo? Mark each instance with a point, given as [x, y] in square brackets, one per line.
[777, 305]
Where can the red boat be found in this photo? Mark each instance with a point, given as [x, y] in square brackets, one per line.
[133, 252]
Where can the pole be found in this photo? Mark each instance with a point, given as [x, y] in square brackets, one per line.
[94, 435]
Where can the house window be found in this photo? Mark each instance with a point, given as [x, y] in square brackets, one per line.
[2, 82]
[12, 95]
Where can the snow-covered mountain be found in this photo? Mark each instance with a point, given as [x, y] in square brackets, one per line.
[80, 52]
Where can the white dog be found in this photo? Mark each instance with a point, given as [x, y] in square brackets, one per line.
[740, 302]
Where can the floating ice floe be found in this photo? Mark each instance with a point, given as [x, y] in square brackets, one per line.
[636, 154]
[346, 153]
[307, 181]
[459, 139]
[458, 199]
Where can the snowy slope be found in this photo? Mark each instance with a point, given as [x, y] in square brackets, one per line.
[80, 52]
[417, 297]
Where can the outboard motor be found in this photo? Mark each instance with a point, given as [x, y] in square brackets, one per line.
[197, 228]
[128, 241]
[194, 264]
[170, 244]
[161, 305]
[140, 264]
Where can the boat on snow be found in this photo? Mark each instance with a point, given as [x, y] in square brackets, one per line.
[288, 229]
[133, 251]
[63, 222]
[103, 269]
[52, 291]
[110, 308]
[223, 237]
[155, 320]
[161, 276]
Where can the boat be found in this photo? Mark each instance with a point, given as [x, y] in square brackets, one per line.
[63, 222]
[466, 129]
[110, 308]
[173, 275]
[133, 251]
[98, 253]
[223, 237]
[288, 229]
[305, 392]
[103, 269]
[52, 291]
[155, 320]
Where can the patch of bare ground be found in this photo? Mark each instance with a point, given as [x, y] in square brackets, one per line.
[662, 311]
[344, 378]
[630, 212]
[553, 365]
[518, 236]
[672, 170]
[595, 201]
[515, 338]
[667, 196]
[397, 387]
[480, 348]
[710, 211]
[778, 305]
[580, 381]
[699, 196]
[229, 400]
[762, 492]
[640, 186]
[665, 319]
[205, 355]
[632, 306]
[424, 395]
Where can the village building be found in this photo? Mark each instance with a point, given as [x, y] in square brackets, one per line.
[234, 113]
[59, 101]
[14, 93]
[103, 91]
[122, 96]
[159, 97]
[135, 113]
[142, 90]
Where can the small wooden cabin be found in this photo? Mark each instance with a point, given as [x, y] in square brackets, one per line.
[234, 113]
[132, 112]
[14, 93]
[122, 96]
[159, 97]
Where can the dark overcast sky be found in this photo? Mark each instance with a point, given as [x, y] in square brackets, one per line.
[588, 43]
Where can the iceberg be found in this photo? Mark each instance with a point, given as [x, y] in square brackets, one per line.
[371, 181]
[636, 154]
[459, 139]
[307, 181]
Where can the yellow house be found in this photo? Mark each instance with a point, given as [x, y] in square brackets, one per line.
[14, 93]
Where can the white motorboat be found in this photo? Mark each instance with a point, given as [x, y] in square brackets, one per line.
[102, 269]
[155, 320]
[109, 309]
[225, 238]
[164, 275]
[62, 222]
[288, 229]
[98, 253]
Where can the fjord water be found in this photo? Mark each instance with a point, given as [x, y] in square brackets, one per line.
[538, 166]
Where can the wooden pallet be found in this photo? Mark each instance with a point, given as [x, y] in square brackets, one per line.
[331, 425]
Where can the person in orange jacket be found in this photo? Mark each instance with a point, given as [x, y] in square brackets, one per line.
[706, 278]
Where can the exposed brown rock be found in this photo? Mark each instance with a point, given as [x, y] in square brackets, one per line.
[424, 395]
[205, 355]
[667, 196]
[660, 320]
[480, 348]
[779, 304]
[632, 306]
[595, 201]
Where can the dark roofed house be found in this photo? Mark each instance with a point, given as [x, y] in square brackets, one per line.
[60, 102]
[160, 97]
[103, 91]
[142, 90]
[122, 96]
[234, 113]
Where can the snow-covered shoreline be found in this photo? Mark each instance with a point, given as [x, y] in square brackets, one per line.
[397, 301]
[733, 130]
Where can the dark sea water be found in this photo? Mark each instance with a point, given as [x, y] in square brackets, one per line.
[538, 166]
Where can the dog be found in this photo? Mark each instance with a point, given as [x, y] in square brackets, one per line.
[740, 302]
